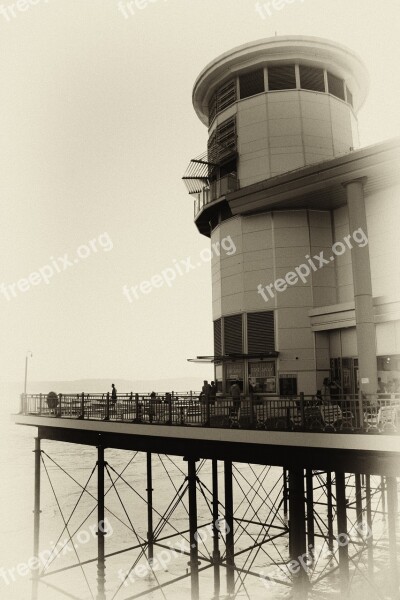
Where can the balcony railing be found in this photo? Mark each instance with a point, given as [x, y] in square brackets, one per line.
[216, 189]
[373, 414]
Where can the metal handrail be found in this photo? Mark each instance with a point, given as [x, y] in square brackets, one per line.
[375, 413]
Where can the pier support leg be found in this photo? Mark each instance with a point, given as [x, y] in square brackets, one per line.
[329, 496]
[194, 554]
[36, 518]
[391, 486]
[150, 531]
[285, 494]
[230, 542]
[383, 489]
[297, 532]
[101, 563]
[370, 541]
[342, 532]
[310, 511]
[359, 508]
[216, 552]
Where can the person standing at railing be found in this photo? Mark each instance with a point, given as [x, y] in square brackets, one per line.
[213, 392]
[205, 392]
[113, 394]
[235, 392]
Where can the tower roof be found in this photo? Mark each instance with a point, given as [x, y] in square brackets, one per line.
[307, 50]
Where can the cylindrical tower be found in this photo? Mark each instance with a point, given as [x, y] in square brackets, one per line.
[272, 107]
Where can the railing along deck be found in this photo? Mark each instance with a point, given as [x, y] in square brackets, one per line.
[350, 414]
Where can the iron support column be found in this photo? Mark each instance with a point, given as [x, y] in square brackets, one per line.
[342, 537]
[391, 486]
[216, 529]
[370, 541]
[285, 493]
[194, 553]
[297, 532]
[36, 517]
[329, 496]
[383, 488]
[310, 511]
[150, 534]
[359, 508]
[230, 541]
[101, 563]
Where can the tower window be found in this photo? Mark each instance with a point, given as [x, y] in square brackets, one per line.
[312, 79]
[336, 86]
[252, 83]
[282, 78]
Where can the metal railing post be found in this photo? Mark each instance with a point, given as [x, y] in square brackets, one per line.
[40, 404]
[251, 408]
[360, 409]
[36, 517]
[107, 417]
[302, 413]
[168, 399]
[82, 415]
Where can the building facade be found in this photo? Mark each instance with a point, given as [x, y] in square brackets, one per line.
[311, 296]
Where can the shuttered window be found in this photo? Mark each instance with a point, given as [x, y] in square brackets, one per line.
[223, 142]
[335, 86]
[312, 79]
[225, 96]
[233, 339]
[260, 332]
[252, 83]
[217, 338]
[282, 78]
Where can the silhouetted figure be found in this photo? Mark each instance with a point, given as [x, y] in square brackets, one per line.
[235, 393]
[205, 392]
[213, 392]
[113, 394]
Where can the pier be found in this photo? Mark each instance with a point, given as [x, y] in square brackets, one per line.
[320, 504]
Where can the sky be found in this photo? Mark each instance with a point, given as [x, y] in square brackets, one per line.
[97, 128]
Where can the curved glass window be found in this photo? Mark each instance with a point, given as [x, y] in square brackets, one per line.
[312, 79]
[336, 86]
[282, 78]
[251, 83]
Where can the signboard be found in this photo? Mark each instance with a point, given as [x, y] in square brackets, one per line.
[262, 369]
[234, 371]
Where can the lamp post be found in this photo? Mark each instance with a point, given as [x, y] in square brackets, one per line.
[28, 355]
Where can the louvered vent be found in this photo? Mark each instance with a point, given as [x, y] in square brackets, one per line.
[252, 83]
[223, 142]
[335, 86]
[233, 343]
[282, 78]
[260, 332]
[217, 338]
[223, 97]
[312, 79]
